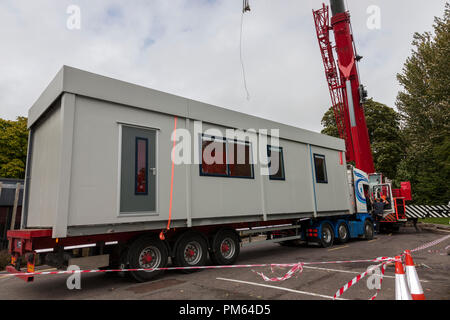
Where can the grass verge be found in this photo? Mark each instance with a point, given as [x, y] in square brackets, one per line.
[445, 221]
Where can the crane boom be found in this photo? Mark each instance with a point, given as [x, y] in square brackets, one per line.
[343, 81]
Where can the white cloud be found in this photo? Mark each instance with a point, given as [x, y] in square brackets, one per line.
[191, 48]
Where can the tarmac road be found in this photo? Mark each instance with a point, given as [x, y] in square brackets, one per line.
[315, 282]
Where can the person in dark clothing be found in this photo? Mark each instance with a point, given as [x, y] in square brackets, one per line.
[377, 214]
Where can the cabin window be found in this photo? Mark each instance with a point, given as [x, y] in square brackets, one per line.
[239, 164]
[226, 158]
[214, 156]
[141, 167]
[276, 163]
[320, 168]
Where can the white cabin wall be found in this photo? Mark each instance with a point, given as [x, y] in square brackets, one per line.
[45, 164]
[214, 197]
[95, 165]
[334, 195]
[294, 194]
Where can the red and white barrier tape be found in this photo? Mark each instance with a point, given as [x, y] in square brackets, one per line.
[441, 252]
[356, 279]
[298, 267]
[383, 270]
[272, 265]
[430, 244]
[295, 267]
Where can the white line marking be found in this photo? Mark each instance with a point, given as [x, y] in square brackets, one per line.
[346, 271]
[281, 288]
[339, 248]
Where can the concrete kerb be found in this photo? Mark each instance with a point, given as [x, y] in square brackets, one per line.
[434, 228]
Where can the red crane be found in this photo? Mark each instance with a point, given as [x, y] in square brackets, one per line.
[347, 97]
[347, 94]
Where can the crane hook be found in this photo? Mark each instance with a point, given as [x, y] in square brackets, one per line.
[246, 6]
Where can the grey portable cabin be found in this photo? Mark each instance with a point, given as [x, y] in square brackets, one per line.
[91, 136]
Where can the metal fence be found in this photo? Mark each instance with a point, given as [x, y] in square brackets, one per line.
[423, 211]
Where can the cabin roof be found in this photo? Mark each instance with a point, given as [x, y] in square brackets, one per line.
[80, 82]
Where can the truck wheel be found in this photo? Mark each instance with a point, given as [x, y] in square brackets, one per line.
[147, 253]
[191, 251]
[123, 263]
[368, 230]
[225, 248]
[327, 236]
[343, 233]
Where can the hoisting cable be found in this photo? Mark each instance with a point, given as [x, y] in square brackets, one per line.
[161, 235]
[245, 8]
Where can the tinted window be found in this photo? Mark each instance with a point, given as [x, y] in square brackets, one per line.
[276, 163]
[141, 168]
[226, 158]
[239, 160]
[213, 156]
[320, 168]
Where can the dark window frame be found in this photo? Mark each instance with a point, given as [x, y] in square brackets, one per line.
[227, 175]
[283, 173]
[321, 156]
[136, 192]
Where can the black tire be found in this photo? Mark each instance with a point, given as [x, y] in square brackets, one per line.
[191, 251]
[123, 263]
[343, 234]
[327, 236]
[368, 230]
[225, 248]
[147, 253]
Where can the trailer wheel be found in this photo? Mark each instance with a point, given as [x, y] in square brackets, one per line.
[343, 233]
[147, 253]
[368, 230]
[191, 251]
[327, 236]
[225, 248]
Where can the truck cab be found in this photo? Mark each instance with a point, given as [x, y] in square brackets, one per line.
[394, 212]
[359, 189]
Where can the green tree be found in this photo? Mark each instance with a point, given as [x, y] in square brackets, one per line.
[13, 147]
[424, 106]
[329, 124]
[383, 124]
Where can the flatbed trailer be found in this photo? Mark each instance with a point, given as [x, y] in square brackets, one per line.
[101, 169]
[222, 244]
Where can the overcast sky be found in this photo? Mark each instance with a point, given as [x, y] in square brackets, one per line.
[191, 48]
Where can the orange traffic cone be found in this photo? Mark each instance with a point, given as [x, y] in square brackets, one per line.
[413, 280]
[401, 287]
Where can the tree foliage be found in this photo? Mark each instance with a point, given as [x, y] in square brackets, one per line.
[424, 106]
[383, 124]
[13, 147]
